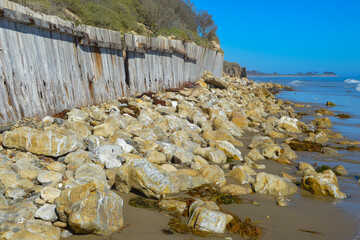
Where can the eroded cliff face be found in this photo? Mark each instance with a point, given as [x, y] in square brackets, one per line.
[234, 70]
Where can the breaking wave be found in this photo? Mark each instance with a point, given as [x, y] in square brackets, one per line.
[349, 80]
[296, 83]
[358, 87]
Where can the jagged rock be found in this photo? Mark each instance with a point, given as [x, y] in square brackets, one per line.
[108, 154]
[34, 230]
[287, 152]
[214, 174]
[340, 170]
[49, 194]
[230, 127]
[289, 124]
[305, 169]
[147, 178]
[220, 135]
[90, 172]
[324, 111]
[125, 147]
[82, 129]
[105, 130]
[330, 104]
[239, 119]
[282, 201]
[47, 213]
[173, 206]
[56, 167]
[255, 155]
[208, 220]
[212, 154]
[77, 115]
[156, 157]
[16, 187]
[270, 151]
[97, 113]
[182, 157]
[91, 209]
[49, 176]
[317, 138]
[323, 184]
[233, 189]
[241, 175]
[168, 168]
[322, 122]
[78, 158]
[329, 151]
[274, 134]
[217, 82]
[273, 184]
[188, 182]
[229, 150]
[51, 142]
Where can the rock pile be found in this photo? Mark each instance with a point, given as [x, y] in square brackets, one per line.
[58, 176]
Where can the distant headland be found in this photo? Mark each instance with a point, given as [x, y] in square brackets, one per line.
[254, 73]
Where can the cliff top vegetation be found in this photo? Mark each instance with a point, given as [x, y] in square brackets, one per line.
[179, 18]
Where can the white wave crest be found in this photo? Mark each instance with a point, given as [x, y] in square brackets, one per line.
[296, 83]
[349, 80]
[358, 87]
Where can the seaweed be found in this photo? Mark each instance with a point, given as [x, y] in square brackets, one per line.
[322, 168]
[343, 116]
[210, 192]
[177, 225]
[246, 229]
[141, 202]
[312, 232]
[297, 145]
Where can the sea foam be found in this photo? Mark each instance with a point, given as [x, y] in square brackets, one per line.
[358, 87]
[349, 80]
[296, 83]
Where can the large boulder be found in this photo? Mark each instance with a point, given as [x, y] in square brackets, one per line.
[214, 174]
[322, 122]
[289, 124]
[51, 142]
[273, 184]
[89, 172]
[35, 230]
[108, 154]
[146, 177]
[91, 209]
[229, 150]
[207, 220]
[323, 184]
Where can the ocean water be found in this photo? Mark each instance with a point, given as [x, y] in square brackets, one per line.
[345, 93]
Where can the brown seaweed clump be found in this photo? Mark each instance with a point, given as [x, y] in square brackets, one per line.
[306, 146]
[343, 116]
[62, 114]
[209, 192]
[246, 229]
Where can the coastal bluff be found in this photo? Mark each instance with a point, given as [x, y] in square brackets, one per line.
[48, 64]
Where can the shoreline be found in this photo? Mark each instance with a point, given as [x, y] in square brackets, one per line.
[224, 103]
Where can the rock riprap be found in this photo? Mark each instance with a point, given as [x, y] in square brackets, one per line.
[91, 208]
[52, 142]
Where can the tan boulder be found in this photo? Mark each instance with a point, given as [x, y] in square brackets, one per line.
[214, 174]
[91, 209]
[220, 135]
[36, 230]
[233, 189]
[273, 184]
[322, 122]
[239, 119]
[268, 150]
[144, 176]
[172, 206]
[156, 157]
[209, 220]
[289, 124]
[240, 175]
[229, 150]
[82, 129]
[323, 184]
[340, 170]
[51, 142]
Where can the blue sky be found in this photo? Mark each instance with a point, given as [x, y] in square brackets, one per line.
[289, 36]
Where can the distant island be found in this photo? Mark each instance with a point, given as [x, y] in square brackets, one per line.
[254, 73]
